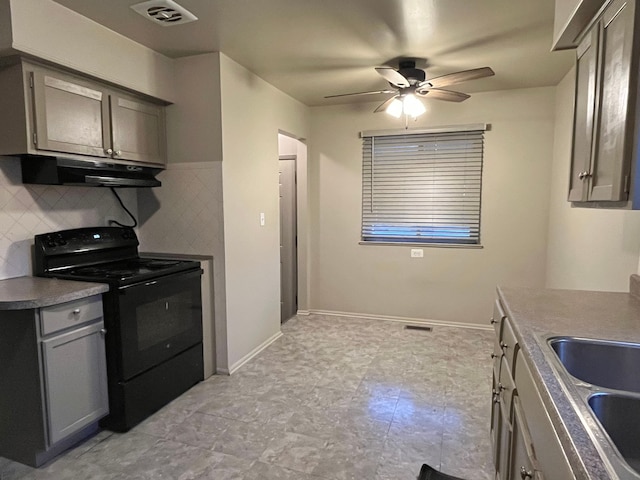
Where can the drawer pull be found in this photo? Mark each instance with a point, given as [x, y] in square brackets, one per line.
[524, 473]
[503, 345]
[493, 355]
[103, 331]
[76, 311]
[493, 321]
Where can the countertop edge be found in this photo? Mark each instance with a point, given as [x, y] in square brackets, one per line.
[23, 293]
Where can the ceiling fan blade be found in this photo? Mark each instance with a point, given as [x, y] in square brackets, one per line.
[446, 95]
[393, 76]
[361, 93]
[458, 77]
[383, 106]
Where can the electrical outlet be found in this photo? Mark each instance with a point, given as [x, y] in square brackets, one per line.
[417, 253]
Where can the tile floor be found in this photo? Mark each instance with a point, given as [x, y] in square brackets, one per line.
[334, 398]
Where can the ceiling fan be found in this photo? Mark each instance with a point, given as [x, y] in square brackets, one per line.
[408, 83]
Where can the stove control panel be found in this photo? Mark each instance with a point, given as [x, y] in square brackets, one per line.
[85, 239]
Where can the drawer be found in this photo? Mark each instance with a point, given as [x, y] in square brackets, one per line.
[506, 388]
[508, 343]
[496, 356]
[70, 314]
[498, 317]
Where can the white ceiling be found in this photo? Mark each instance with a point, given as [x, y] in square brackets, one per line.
[313, 48]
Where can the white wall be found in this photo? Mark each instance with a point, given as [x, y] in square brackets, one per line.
[590, 249]
[448, 284]
[52, 32]
[253, 112]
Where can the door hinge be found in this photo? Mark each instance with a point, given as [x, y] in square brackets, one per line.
[35, 138]
[626, 183]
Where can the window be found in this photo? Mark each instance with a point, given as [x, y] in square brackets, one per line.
[422, 186]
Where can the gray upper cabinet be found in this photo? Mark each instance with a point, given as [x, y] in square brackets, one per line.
[51, 112]
[71, 116]
[604, 115]
[138, 129]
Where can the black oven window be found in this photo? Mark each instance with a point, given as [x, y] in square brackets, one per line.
[162, 320]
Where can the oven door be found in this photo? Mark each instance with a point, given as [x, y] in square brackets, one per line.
[158, 319]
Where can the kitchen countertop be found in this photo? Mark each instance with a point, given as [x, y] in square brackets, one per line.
[22, 293]
[538, 313]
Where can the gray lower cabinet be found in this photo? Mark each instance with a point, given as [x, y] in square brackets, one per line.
[53, 378]
[604, 127]
[524, 442]
[75, 380]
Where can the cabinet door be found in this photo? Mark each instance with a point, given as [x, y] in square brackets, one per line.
[75, 377]
[138, 130]
[522, 463]
[71, 116]
[584, 111]
[611, 162]
[495, 423]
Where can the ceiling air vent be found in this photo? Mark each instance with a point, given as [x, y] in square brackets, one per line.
[164, 12]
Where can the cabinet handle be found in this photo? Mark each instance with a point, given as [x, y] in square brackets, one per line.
[493, 321]
[496, 398]
[117, 153]
[503, 345]
[493, 355]
[524, 473]
[108, 151]
[76, 311]
[103, 331]
[583, 175]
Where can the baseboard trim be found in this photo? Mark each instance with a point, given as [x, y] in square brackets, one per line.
[419, 321]
[304, 313]
[234, 368]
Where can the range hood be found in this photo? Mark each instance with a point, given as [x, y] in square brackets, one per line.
[87, 173]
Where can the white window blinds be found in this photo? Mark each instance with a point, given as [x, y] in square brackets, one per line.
[422, 187]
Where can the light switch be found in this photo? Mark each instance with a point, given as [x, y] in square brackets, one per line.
[262, 219]
[417, 253]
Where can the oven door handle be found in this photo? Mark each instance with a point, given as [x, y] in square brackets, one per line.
[174, 277]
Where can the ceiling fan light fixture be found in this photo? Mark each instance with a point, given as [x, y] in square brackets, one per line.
[412, 106]
[395, 108]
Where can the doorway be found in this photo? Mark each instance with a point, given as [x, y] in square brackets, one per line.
[288, 238]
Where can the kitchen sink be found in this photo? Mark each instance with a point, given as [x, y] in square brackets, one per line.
[603, 383]
[607, 364]
[620, 417]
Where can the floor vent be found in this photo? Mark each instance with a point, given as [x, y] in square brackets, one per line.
[423, 328]
[164, 12]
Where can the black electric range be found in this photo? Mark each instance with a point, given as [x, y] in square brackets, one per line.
[153, 315]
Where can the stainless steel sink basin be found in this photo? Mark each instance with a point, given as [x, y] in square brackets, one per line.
[606, 364]
[620, 417]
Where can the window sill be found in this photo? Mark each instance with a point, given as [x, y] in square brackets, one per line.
[426, 245]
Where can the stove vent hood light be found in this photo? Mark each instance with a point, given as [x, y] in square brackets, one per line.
[43, 170]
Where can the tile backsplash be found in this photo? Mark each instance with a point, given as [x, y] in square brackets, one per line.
[28, 210]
